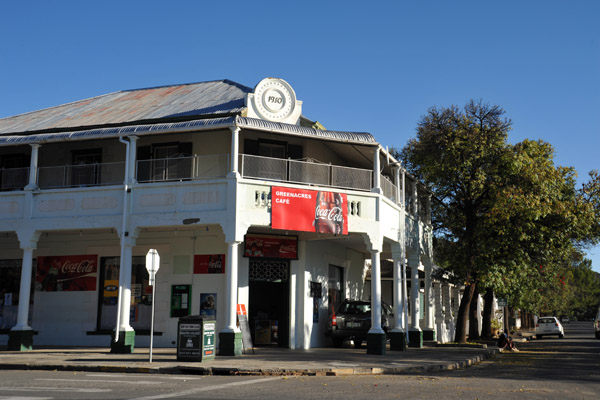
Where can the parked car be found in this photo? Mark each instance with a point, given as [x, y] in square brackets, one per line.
[352, 320]
[597, 325]
[549, 326]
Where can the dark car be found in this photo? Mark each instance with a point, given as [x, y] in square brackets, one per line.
[352, 320]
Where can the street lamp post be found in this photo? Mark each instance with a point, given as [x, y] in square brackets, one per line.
[152, 265]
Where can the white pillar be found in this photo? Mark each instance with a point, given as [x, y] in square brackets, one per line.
[415, 292]
[376, 173]
[439, 315]
[231, 287]
[375, 293]
[28, 242]
[132, 170]
[235, 150]
[428, 296]
[33, 167]
[125, 282]
[398, 297]
[398, 183]
[446, 302]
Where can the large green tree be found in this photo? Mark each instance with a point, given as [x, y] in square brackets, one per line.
[507, 219]
[462, 157]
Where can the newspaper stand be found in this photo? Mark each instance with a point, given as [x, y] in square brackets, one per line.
[196, 338]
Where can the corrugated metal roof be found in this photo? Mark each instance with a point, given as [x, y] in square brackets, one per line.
[130, 106]
[188, 126]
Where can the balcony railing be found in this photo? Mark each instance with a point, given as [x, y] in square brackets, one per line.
[199, 167]
[389, 189]
[82, 175]
[182, 168]
[13, 178]
[293, 171]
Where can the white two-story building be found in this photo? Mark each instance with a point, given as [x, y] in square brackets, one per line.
[250, 205]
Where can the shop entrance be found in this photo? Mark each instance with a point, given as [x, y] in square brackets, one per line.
[269, 302]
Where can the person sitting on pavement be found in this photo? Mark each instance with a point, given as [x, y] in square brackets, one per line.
[505, 342]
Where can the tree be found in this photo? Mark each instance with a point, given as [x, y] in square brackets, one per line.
[461, 157]
[507, 219]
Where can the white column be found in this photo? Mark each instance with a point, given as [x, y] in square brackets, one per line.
[428, 296]
[439, 315]
[132, 178]
[376, 173]
[447, 301]
[375, 293]
[415, 292]
[33, 167]
[235, 150]
[398, 184]
[28, 242]
[398, 296]
[125, 282]
[231, 287]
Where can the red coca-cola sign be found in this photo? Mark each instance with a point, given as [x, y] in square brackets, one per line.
[309, 210]
[66, 273]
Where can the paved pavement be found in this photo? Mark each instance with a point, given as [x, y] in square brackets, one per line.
[264, 360]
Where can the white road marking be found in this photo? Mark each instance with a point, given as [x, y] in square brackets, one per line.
[100, 381]
[24, 398]
[51, 389]
[179, 377]
[206, 389]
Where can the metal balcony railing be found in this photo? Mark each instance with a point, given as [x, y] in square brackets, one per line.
[389, 189]
[182, 168]
[81, 175]
[13, 178]
[293, 171]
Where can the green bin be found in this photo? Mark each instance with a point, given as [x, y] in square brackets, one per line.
[196, 338]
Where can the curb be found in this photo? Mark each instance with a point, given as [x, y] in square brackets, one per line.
[222, 371]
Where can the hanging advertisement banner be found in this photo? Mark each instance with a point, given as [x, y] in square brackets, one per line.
[309, 210]
[209, 264]
[266, 246]
[66, 273]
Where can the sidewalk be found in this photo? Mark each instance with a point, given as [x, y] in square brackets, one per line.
[265, 361]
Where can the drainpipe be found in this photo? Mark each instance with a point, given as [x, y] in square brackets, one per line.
[123, 227]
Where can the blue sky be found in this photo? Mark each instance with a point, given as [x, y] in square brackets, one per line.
[372, 66]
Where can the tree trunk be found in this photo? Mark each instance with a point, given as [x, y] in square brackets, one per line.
[474, 315]
[463, 314]
[488, 314]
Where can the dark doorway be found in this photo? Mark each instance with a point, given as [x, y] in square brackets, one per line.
[269, 302]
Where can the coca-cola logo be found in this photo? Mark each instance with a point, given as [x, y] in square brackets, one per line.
[334, 214]
[83, 266]
[287, 249]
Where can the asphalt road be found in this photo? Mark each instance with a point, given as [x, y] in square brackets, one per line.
[549, 368]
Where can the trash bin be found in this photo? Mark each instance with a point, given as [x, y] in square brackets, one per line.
[196, 338]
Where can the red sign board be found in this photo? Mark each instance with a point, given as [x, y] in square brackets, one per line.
[66, 273]
[271, 246]
[309, 210]
[209, 264]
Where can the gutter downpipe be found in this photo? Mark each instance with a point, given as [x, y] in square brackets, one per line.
[123, 227]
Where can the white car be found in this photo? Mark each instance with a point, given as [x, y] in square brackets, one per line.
[549, 326]
[597, 325]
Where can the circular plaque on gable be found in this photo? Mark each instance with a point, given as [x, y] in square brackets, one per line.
[274, 99]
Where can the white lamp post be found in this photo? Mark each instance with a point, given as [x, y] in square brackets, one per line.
[152, 265]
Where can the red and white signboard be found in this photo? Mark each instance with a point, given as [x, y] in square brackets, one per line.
[209, 264]
[309, 210]
[66, 273]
